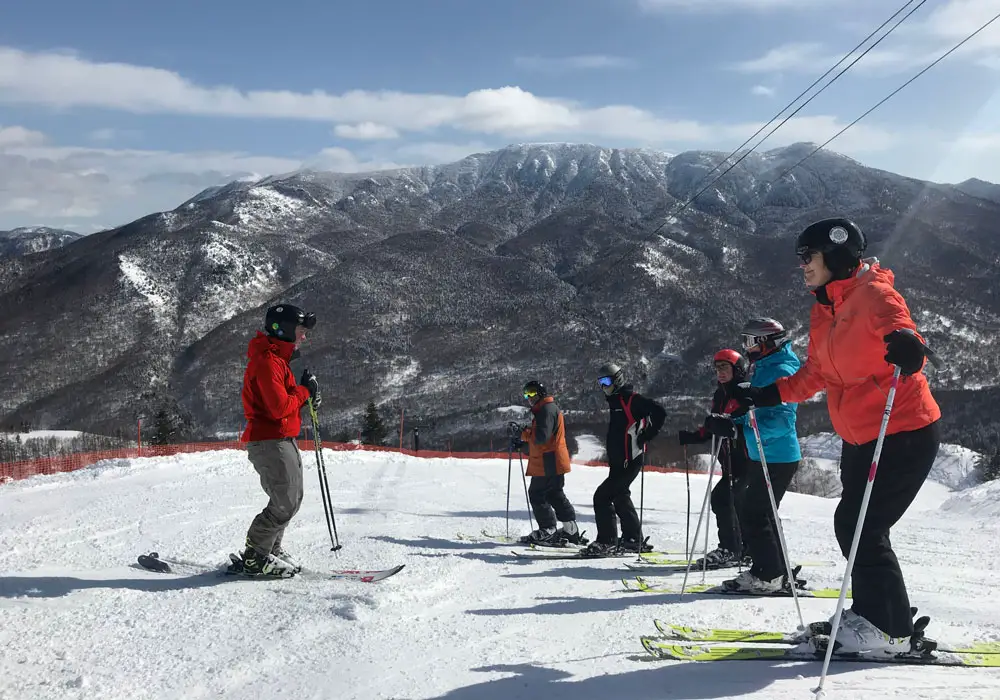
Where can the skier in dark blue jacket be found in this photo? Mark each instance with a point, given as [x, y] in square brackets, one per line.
[767, 345]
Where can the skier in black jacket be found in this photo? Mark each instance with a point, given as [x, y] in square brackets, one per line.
[727, 497]
[634, 421]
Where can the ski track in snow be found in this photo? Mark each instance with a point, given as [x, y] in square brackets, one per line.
[462, 621]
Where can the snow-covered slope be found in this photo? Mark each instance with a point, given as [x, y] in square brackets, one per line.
[462, 621]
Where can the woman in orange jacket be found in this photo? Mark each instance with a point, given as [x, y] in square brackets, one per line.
[859, 328]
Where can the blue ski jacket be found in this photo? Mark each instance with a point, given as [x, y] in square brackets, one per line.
[778, 431]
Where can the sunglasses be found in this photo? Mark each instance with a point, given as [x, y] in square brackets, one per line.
[806, 255]
[605, 381]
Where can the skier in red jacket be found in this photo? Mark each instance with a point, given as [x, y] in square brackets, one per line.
[272, 402]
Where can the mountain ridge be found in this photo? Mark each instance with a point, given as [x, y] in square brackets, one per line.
[441, 289]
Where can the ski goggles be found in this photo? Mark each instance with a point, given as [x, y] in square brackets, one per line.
[530, 393]
[605, 381]
[752, 341]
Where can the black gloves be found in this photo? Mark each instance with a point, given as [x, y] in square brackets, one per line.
[517, 443]
[689, 437]
[904, 349]
[309, 381]
[645, 436]
[721, 425]
[760, 396]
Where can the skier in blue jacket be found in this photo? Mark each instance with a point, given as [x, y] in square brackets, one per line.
[768, 347]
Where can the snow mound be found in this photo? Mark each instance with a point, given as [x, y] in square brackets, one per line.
[979, 501]
[954, 466]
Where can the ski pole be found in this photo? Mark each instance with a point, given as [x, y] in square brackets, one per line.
[524, 480]
[510, 465]
[704, 506]
[857, 531]
[642, 495]
[687, 524]
[777, 520]
[324, 486]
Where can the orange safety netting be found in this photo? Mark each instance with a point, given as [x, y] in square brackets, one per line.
[23, 469]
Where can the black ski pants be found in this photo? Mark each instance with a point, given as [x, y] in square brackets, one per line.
[727, 502]
[878, 591]
[614, 498]
[760, 531]
[549, 502]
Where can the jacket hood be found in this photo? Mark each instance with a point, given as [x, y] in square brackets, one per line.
[263, 344]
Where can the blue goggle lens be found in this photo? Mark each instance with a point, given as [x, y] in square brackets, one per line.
[605, 381]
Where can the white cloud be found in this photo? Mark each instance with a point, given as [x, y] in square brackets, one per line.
[365, 131]
[41, 183]
[727, 5]
[763, 90]
[19, 136]
[62, 81]
[915, 44]
[560, 64]
[796, 56]
[341, 160]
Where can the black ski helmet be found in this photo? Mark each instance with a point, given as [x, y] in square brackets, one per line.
[763, 331]
[840, 240]
[534, 386]
[614, 373]
[281, 321]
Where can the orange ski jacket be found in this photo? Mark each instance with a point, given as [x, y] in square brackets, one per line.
[847, 349]
[546, 438]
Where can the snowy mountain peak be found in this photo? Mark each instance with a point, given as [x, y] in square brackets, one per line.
[34, 239]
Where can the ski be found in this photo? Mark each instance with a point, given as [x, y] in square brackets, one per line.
[815, 629]
[366, 576]
[487, 538]
[555, 554]
[811, 652]
[640, 585]
[675, 565]
[165, 565]
[711, 634]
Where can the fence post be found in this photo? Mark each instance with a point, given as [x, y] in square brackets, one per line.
[139, 437]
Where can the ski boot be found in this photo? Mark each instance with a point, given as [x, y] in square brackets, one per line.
[631, 545]
[255, 564]
[281, 554]
[539, 537]
[719, 558]
[569, 533]
[598, 550]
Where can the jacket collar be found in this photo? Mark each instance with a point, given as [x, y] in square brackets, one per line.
[263, 343]
[834, 292]
[538, 406]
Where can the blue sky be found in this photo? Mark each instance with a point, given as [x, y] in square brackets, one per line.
[110, 110]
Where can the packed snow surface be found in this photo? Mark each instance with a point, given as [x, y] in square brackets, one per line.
[462, 621]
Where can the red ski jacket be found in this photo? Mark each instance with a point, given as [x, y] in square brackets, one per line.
[271, 398]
